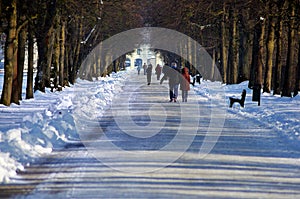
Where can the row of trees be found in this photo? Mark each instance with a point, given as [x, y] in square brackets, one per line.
[256, 40]
[65, 31]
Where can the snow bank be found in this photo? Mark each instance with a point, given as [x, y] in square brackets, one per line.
[282, 114]
[46, 122]
[8, 167]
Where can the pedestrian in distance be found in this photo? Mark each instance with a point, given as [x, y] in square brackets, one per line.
[139, 69]
[164, 68]
[149, 73]
[145, 67]
[172, 74]
[185, 83]
[158, 71]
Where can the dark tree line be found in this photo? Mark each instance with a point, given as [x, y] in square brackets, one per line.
[256, 40]
[65, 31]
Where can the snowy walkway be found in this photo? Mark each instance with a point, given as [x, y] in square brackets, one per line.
[248, 160]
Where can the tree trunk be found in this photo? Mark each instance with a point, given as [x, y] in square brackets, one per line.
[224, 43]
[10, 53]
[257, 53]
[297, 87]
[190, 55]
[55, 62]
[77, 53]
[290, 70]
[69, 56]
[196, 59]
[38, 84]
[62, 54]
[233, 49]
[213, 65]
[66, 62]
[21, 59]
[49, 49]
[45, 39]
[269, 56]
[22, 38]
[98, 67]
[260, 64]
[278, 61]
[245, 45]
[16, 86]
[29, 87]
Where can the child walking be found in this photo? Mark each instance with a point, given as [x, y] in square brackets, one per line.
[185, 84]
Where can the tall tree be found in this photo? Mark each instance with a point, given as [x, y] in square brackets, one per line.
[22, 37]
[257, 54]
[45, 39]
[278, 57]
[269, 48]
[62, 39]
[29, 85]
[75, 62]
[232, 67]
[10, 53]
[290, 69]
[225, 44]
[244, 47]
[297, 87]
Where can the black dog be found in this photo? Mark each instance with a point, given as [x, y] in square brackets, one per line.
[240, 101]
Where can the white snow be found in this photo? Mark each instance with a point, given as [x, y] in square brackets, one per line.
[47, 122]
[40, 125]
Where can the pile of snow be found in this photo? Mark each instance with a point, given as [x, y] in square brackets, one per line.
[8, 167]
[282, 114]
[40, 125]
[47, 122]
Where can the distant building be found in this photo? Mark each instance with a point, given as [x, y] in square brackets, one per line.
[143, 55]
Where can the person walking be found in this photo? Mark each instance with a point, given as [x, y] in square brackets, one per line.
[149, 73]
[158, 71]
[145, 68]
[185, 83]
[172, 74]
[139, 69]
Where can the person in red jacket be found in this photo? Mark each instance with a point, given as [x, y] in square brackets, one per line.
[185, 83]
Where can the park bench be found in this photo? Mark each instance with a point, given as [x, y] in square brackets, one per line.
[241, 101]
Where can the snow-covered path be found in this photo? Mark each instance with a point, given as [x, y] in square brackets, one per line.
[146, 147]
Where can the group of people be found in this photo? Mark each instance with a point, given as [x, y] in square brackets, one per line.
[148, 71]
[178, 78]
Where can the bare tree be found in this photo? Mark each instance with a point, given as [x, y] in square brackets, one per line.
[10, 52]
[232, 67]
[277, 78]
[29, 86]
[290, 69]
[270, 47]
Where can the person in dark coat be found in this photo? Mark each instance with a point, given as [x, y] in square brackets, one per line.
[149, 73]
[173, 75]
[139, 69]
[158, 71]
[185, 83]
[145, 68]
